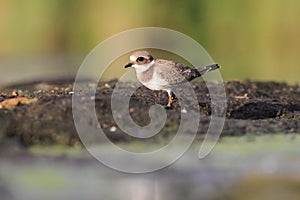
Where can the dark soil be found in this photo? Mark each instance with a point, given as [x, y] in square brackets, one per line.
[253, 108]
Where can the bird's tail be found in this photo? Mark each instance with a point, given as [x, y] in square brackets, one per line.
[208, 68]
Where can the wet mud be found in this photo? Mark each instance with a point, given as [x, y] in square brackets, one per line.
[252, 108]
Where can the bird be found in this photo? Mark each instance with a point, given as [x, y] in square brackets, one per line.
[161, 74]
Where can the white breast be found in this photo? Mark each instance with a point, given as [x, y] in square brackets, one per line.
[142, 68]
[156, 83]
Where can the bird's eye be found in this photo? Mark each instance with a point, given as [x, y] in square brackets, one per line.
[140, 59]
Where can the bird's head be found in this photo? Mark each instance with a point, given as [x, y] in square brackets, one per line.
[140, 60]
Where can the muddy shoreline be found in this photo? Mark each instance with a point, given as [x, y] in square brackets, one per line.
[253, 108]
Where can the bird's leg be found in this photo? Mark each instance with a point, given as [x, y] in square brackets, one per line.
[170, 100]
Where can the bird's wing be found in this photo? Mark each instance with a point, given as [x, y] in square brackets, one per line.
[174, 72]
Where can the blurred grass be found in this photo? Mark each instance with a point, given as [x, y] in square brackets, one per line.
[251, 39]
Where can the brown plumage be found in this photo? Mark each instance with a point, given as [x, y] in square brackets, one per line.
[160, 74]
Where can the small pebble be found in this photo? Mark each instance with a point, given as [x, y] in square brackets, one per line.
[184, 110]
[113, 129]
[106, 85]
[14, 93]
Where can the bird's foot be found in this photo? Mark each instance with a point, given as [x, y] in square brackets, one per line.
[170, 101]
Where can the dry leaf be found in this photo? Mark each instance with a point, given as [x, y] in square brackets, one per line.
[13, 102]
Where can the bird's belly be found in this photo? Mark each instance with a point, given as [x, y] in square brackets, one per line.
[154, 86]
[156, 83]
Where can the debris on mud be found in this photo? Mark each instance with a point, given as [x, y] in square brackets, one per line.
[41, 112]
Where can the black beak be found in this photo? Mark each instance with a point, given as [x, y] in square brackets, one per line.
[128, 65]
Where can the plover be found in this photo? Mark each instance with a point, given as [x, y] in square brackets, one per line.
[160, 74]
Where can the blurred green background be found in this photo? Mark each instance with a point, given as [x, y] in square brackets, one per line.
[251, 39]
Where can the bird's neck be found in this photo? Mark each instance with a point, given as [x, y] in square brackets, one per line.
[143, 68]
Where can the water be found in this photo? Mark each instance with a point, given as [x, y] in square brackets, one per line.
[256, 165]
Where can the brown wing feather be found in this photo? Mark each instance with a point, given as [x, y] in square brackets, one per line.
[174, 72]
[187, 72]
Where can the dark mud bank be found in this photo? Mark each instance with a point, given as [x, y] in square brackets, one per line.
[252, 108]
